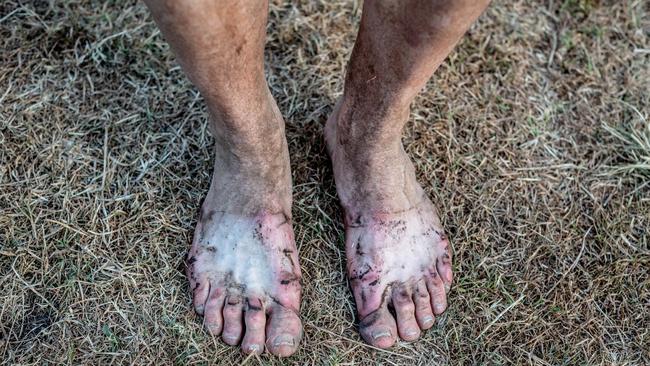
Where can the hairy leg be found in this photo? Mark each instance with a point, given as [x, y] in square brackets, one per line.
[243, 263]
[398, 255]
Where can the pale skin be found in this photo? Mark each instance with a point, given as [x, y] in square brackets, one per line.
[243, 264]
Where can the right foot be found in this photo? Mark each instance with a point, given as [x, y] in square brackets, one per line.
[243, 264]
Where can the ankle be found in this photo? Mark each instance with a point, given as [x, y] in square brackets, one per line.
[251, 128]
[369, 131]
[370, 177]
[250, 189]
[362, 148]
[251, 167]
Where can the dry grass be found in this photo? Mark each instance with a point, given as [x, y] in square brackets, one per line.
[522, 139]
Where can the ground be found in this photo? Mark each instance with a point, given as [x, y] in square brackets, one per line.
[524, 138]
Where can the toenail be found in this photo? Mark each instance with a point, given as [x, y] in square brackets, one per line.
[439, 305]
[254, 348]
[427, 319]
[380, 334]
[199, 309]
[230, 337]
[284, 340]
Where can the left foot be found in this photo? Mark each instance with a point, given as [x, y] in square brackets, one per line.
[398, 255]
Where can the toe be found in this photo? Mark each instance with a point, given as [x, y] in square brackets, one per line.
[200, 296]
[255, 320]
[283, 331]
[405, 313]
[212, 318]
[378, 328]
[423, 312]
[437, 293]
[443, 265]
[233, 320]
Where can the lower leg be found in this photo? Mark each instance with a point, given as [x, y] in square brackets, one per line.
[243, 264]
[399, 46]
[398, 255]
[220, 47]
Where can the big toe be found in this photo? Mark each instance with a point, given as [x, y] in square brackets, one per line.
[283, 331]
[378, 328]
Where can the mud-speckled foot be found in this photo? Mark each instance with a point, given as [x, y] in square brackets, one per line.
[400, 261]
[398, 257]
[245, 279]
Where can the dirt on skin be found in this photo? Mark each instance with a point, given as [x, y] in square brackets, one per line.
[531, 140]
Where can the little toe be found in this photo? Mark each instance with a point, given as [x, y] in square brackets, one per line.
[443, 266]
[405, 313]
[212, 318]
[423, 312]
[378, 328]
[437, 293]
[200, 296]
[255, 320]
[283, 331]
[233, 320]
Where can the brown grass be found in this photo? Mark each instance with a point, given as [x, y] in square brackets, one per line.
[522, 139]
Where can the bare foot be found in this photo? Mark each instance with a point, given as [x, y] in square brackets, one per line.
[398, 255]
[243, 264]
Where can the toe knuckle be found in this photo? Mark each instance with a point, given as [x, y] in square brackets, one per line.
[407, 309]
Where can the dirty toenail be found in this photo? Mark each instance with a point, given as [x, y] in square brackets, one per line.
[284, 340]
[427, 319]
[230, 337]
[254, 348]
[199, 309]
[381, 333]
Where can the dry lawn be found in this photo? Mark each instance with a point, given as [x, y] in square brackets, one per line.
[533, 139]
